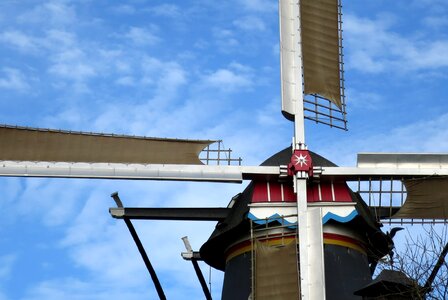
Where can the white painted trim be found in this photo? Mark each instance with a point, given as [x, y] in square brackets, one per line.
[282, 191]
[320, 191]
[268, 187]
[333, 197]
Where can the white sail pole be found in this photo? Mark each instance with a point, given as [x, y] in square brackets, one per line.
[310, 236]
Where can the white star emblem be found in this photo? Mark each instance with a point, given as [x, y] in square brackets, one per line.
[302, 160]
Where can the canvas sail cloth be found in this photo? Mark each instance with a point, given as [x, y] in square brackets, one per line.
[427, 198]
[319, 53]
[320, 48]
[276, 272]
[29, 144]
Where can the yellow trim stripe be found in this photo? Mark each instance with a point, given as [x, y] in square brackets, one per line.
[246, 246]
[345, 244]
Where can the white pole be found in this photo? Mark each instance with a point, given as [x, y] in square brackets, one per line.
[311, 256]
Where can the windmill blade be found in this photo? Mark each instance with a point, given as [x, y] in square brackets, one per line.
[390, 166]
[355, 173]
[311, 44]
[412, 201]
[32, 152]
[423, 178]
[32, 144]
[403, 160]
[427, 198]
[290, 57]
[320, 48]
[234, 174]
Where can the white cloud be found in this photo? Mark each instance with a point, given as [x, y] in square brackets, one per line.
[124, 9]
[225, 39]
[71, 61]
[374, 48]
[259, 5]
[6, 265]
[52, 12]
[422, 136]
[430, 6]
[228, 80]
[126, 81]
[77, 71]
[425, 135]
[142, 36]
[363, 100]
[156, 85]
[437, 22]
[13, 79]
[168, 77]
[56, 204]
[76, 289]
[431, 56]
[166, 10]
[57, 39]
[19, 40]
[269, 114]
[250, 23]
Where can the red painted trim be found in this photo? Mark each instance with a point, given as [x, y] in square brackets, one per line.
[288, 193]
[341, 192]
[325, 188]
[276, 192]
[260, 193]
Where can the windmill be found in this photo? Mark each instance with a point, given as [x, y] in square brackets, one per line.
[126, 157]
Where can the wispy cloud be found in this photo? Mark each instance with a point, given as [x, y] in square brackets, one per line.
[231, 79]
[250, 23]
[437, 22]
[365, 100]
[431, 134]
[6, 265]
[259, 5]
[374, 48]
[225, 39]
[142, 36]
[46, 212]
[18, 40]
[126, 81]
[13, 79]
[124, 9]
[424, 135]
[50, 13]
[76, 289]
[166, 10]
[69, 66]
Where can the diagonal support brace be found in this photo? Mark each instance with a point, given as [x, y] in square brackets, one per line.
[141, 249]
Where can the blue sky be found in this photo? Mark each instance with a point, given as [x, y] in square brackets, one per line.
[187, 69]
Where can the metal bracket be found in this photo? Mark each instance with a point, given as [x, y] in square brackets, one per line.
[190, 255]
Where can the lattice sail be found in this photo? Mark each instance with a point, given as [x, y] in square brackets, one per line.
[312, 61]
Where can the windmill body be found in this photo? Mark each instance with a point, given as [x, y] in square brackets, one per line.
[266, 214]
